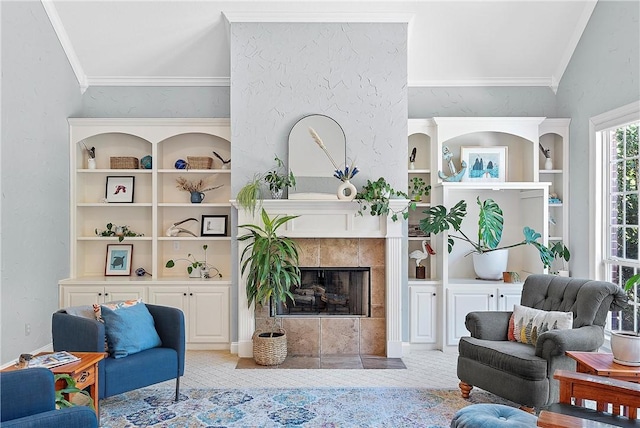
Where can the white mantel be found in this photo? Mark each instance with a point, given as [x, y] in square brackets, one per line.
[332, 219]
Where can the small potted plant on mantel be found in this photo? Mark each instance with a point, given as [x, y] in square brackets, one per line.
[270, 262]
[277, 179]
[197, 268]
[375, 196]
[490, 227]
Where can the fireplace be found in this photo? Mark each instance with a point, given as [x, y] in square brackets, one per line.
[330, 291]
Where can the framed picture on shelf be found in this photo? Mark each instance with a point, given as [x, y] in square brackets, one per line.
[214, 225]
[485, 163]
[118, 261]
[119, 189]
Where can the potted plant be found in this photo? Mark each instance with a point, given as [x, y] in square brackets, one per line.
[490, 226]
[277, 179]
[270, 262]
[250, 194]
[418, 188]
[196, 268]
[375, 197]
[625, 345]
[69, 388]
[196, 188]
[119, 231]
[560, 252]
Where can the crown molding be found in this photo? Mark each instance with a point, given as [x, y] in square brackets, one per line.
[157, 81]
[572, 43]
[497, 81]
[65, 41]
[323, 17]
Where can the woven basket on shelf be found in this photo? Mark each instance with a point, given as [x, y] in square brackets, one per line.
[270, 351]
[199, 162]
[123, 162]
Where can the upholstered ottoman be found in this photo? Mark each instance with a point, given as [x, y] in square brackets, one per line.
[492, 416]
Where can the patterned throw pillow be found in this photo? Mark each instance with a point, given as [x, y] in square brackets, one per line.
[113, 306]
[529, 323]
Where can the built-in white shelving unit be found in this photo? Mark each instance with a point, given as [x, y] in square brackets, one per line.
[157, 204]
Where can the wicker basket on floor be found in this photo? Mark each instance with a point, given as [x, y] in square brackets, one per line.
[270, 351]
[199, 162]
[123, 162]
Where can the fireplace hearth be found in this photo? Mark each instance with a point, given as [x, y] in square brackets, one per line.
[330, 292]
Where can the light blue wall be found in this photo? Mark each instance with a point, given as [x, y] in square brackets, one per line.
[39, 92]
[603, 74]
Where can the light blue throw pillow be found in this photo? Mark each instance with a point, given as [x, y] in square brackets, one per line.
[129, 330]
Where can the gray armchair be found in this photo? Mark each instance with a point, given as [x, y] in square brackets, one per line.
[523, 373]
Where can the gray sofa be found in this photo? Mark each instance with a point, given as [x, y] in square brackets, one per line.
[523, 373]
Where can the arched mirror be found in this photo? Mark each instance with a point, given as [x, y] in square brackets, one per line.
[311, 166]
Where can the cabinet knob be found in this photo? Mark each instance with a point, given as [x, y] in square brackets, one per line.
[491, 295]
[502, 295]
[99, 294]
[433, 294]
[184, 294]
[106, 294]
[190, 294]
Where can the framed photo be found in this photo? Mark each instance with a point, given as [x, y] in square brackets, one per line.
[214, 225]
[120, 189]
[485, 163]
[118, 260]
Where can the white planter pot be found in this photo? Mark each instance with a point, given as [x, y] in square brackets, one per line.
[625, 346]
[195, 273]
[490, 265]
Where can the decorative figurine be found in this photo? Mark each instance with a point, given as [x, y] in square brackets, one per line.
[173, 230]
[455, 175]
[419, 256]
[412, 159]
[225, 163]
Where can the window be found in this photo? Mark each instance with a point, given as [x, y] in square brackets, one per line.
[621, 243]
[615, 164]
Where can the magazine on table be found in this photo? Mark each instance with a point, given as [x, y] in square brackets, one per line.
[53, 360]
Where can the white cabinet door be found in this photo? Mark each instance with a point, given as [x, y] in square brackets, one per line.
[114, 293]
[509, 297]
[174, 297]
[82, 295]
[423, 313]
[208, 314]
[460, 302]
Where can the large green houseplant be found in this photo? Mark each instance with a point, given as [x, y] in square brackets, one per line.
[490, 227]
[270, 262]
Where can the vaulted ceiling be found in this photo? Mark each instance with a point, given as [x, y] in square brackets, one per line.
[451, 43]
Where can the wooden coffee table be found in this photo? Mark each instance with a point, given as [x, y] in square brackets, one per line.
[601, 364]
[84, 372]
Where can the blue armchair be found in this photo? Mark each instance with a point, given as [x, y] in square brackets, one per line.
[118, 375]
[27, 400]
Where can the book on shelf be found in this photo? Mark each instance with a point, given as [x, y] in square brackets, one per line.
[54, 359]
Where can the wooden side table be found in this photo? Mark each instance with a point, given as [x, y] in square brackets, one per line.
[84, 372]
[601, 364]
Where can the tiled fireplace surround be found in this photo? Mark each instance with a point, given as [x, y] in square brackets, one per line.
[332, 234]
[315, 336]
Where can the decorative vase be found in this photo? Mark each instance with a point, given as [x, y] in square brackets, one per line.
[490, 265]
[625, 346]
[196, 197]
[412, 165]
[277, 193]
[347, 191]
[91, 163]
[548, 163]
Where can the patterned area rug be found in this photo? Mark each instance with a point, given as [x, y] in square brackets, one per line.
[266, 407]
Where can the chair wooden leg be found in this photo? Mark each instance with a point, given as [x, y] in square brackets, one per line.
[465, 389]
[177, 388]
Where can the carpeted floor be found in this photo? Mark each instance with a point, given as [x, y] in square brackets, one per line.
[288, 407]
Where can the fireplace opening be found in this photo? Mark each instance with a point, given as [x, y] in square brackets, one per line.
[330, 291]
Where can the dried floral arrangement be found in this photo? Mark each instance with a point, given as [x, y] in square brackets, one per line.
[201, 185]
[342, 174]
